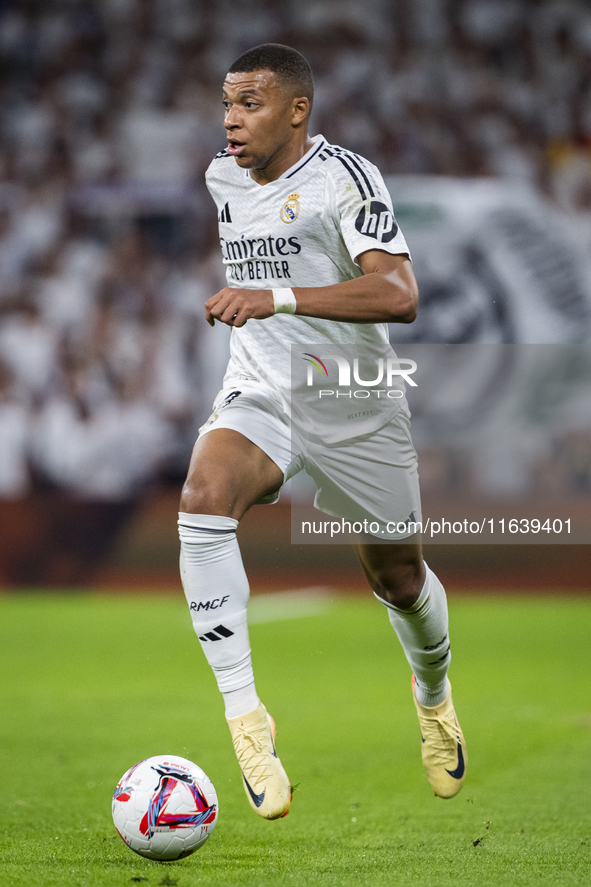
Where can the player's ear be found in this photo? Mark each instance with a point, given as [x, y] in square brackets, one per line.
[301, 110]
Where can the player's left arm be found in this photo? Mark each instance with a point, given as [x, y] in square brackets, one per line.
[387, 292]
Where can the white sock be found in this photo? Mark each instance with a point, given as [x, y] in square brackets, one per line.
[217, 592]
[423, 632]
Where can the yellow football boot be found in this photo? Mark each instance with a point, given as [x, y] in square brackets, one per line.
[265, 781]
[444, 748]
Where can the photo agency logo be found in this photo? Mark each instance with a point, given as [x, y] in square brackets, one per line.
[388, 372]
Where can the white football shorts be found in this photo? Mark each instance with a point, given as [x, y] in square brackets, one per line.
[373, 478]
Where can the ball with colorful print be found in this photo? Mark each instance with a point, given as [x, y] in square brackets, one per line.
[165, 807]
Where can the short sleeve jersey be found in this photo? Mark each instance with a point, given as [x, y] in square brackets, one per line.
[307, 228]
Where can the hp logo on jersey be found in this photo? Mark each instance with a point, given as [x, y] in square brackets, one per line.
[377, 221]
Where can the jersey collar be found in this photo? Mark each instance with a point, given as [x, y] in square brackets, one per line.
[319, 142]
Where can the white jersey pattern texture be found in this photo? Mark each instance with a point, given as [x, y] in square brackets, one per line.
[306, 229]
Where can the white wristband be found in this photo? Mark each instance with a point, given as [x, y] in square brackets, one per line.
[284, 301]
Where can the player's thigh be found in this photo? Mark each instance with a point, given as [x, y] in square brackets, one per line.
[373, 479]
[227, 474]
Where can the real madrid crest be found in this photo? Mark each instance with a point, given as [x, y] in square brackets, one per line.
[291, 208]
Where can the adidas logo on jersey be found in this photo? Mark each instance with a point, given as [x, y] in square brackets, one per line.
[215, 634]
[225, 216]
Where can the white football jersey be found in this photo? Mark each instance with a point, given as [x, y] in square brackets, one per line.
[306, 229]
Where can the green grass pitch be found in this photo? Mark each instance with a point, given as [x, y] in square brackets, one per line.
[92, 684]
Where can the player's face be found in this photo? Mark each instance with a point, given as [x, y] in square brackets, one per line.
[261, 119]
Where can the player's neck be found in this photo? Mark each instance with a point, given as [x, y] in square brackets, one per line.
[282, 162]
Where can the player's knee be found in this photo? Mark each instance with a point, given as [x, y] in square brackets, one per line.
[398, 584]
[200, 497]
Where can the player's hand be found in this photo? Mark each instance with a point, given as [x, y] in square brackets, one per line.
[236, 306]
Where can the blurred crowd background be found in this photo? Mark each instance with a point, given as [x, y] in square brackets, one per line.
[110, 113]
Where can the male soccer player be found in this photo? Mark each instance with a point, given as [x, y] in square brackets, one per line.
[312, 255]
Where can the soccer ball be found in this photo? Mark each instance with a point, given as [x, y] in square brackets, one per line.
[165, 807]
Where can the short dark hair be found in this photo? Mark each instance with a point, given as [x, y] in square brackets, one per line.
[289, 64]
